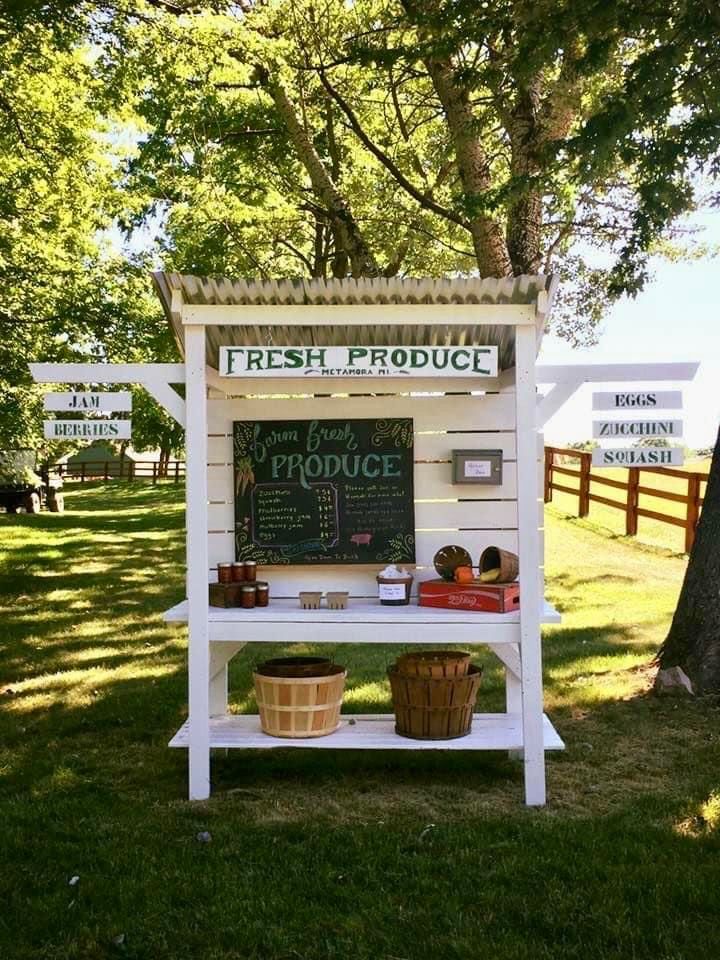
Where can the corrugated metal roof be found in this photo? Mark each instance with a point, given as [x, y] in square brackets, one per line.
[382, 290]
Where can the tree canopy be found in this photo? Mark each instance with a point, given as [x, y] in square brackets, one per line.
[296, 138]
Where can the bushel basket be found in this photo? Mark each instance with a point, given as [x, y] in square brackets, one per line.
[434, 663]
[297, 707]
[428, 708]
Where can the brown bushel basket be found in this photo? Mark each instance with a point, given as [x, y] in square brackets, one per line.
[434, 663]
[494, 558]
[427, 708]
[298, 707]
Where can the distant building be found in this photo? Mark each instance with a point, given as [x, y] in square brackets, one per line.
[100, 459]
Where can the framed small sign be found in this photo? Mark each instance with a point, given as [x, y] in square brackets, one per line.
[477, 466]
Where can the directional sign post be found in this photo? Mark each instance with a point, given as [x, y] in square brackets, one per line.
[87, 402]
[633, 400]
[87, 429]
[606, 429]
[638, 457]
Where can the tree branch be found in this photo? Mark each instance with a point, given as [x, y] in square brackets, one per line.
[422, 197]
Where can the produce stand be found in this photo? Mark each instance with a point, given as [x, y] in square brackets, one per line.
[457, 413]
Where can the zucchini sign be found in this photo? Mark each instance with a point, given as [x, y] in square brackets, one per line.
[351, 362]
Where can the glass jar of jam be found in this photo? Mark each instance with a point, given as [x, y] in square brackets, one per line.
[262, 593]
[224, 571]
[247, 595]
[250, 570]
[238, 571]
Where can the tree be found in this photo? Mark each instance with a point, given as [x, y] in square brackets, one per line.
[400, 137]
[67, 293]
[425, 138]
[693, 642]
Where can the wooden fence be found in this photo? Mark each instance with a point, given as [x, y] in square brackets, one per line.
[632, 489]
[120, 470]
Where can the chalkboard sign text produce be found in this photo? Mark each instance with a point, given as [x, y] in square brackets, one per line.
[324, 491]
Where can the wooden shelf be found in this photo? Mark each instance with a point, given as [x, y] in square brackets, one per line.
[490, 731]
[364, 621]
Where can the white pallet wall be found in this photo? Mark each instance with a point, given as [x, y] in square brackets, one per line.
[475, 516]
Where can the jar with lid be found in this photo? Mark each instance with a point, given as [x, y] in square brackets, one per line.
[247, 595]
[250, 570]
[224, 571]
[262, 593]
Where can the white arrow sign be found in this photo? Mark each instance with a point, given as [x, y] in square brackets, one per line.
[87, 429]
[637, 428]
[638, 457]
[89, 402]
[648, 399]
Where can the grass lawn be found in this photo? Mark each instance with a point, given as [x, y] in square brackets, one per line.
[654, 532]
[317, 855]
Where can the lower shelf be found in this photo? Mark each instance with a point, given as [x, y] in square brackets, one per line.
[490, 731]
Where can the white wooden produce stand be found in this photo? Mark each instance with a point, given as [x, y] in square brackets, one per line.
[506, 413]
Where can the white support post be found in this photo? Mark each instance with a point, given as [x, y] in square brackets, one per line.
[529, 541]
[196, 513]
[220, 656]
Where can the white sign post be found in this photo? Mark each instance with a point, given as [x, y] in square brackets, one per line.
[632, 400]
[87, 429]
[86, 402]
[605, 429]
[638, 457]
[358, 362]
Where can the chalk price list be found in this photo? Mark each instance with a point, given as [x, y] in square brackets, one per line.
[284, 514]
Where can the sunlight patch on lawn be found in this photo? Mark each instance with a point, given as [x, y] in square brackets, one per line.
[78, 687]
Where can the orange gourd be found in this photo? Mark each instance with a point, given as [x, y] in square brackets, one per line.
[464, 574]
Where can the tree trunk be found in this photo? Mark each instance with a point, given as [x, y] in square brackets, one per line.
[693, 643]
[487, 234]
[349, 240]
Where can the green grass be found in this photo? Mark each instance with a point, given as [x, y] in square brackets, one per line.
[317, 855]
[654, 532]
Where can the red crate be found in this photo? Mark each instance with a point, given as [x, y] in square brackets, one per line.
[483, 597]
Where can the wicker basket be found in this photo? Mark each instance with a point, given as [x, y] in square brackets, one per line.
[295, 667]
[434, 663]
[434, 709]
[300, 707]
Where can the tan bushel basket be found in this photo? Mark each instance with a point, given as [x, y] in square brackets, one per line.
[434, 709]
[434, 663]
[300, 707]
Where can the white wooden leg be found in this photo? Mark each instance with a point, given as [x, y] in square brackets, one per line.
[220, 656]
[509, 654]
[197, 565]
[529, 538]
[513, 703]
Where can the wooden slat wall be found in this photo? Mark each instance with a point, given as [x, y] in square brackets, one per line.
[474, 516]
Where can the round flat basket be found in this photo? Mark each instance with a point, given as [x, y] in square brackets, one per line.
[295, 667]
[434, 663]
[447, 559]
[300, 707]
[428, 708]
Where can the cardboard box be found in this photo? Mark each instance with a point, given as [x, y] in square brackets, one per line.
[482, 597]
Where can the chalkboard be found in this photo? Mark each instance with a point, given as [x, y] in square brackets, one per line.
[324, 491]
